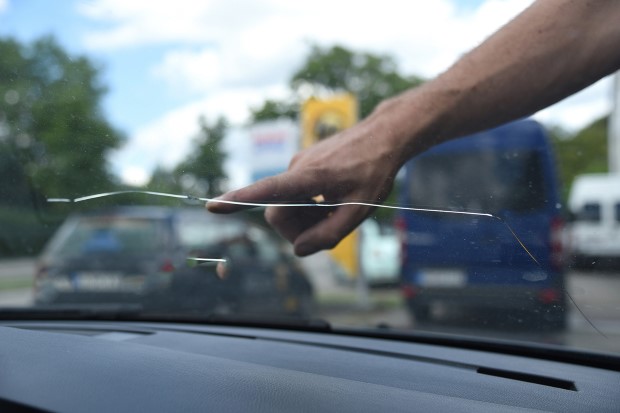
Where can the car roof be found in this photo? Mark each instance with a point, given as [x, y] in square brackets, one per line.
[524, 134]
[152, 212]
[159, 213]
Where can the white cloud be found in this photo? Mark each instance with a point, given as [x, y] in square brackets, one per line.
[425, 36]
[135, 175]
[4, 6]
[186, 70]
[228, 55]
[167, 140]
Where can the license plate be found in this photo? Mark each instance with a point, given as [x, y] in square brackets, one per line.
[442, 278]
[98, 282]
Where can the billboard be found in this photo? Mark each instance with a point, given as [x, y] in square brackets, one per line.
[273, 144]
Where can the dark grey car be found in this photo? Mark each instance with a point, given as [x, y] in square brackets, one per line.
[147, 256]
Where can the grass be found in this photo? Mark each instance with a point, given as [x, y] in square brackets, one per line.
[15, 283]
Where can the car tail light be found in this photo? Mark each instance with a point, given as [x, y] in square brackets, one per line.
[409, 291]
[401, 229]
[557, 243]
[167, 266]
[549, 295]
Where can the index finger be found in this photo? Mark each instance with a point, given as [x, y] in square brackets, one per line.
[285, 188]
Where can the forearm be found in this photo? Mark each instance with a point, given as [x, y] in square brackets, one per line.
[551, 50]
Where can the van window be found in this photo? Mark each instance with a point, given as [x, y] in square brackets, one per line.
[617, 210]
[485, 181]
[590, 212]
[200, 232]
[111, 234]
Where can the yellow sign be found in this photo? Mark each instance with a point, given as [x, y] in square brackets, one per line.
[321, 118]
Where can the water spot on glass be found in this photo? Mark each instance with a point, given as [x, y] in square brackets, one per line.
[11, 97]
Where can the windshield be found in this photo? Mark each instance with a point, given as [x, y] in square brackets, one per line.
[120, 120]
[105, 234]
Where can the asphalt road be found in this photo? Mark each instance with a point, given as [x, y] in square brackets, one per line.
[593, 320]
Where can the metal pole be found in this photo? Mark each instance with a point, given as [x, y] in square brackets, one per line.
[361, 284]
[613, 133]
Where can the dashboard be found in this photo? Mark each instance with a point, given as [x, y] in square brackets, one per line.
[76, 366]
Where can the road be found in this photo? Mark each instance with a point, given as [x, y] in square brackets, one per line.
[593, 321]
[19, 267]
[596, 294]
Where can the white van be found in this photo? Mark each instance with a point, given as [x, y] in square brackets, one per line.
[594, 203]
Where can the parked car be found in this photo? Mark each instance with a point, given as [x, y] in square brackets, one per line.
[139, 255]
[594, 204]
[379, 253]
[475, 261]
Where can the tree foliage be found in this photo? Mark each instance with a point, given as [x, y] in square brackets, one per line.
[274, 109]
[203, 171]
[51, 119]
[583, 153]
[370, 77]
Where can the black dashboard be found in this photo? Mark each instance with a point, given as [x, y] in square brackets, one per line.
[78, 366]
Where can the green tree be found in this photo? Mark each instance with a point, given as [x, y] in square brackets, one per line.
[203, 170]
[274, 109]
[163, 180]
[51, 118]
[370, 77]
[583, 153]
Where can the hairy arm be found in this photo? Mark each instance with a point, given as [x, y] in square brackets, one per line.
[551, 50]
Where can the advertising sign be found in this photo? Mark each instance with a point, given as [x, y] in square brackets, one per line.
[273, 144]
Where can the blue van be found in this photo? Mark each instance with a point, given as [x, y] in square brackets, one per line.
[511, 260]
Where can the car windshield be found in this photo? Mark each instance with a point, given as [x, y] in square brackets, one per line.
[119, 120]
[105, 234]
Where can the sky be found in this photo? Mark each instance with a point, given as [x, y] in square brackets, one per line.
[168, 62]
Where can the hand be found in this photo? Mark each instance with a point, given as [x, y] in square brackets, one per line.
[355, 165]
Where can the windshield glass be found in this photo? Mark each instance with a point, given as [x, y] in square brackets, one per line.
[120, 120]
